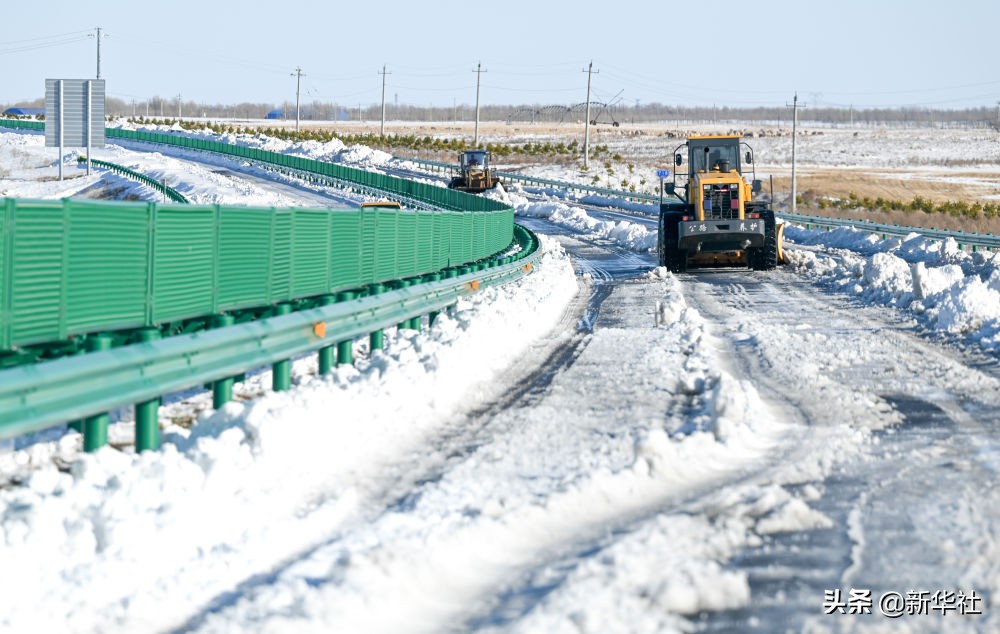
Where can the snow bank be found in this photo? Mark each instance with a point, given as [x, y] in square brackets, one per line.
[134, 543]
[631, 235]
[947, 289]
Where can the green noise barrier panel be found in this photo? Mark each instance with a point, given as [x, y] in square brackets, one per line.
[71, 267]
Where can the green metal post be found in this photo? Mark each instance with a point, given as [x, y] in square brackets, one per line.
[222, 390]
[147, 424]
[405, 324]
[433, 315]
[376, 340]
[345, 349]
[95, 428]
[281, 372]
[326, 355]
[415, 323]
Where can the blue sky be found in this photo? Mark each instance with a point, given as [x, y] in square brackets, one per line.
[885, 53]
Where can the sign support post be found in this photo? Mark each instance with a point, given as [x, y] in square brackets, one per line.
[90, 122]
[61, 128]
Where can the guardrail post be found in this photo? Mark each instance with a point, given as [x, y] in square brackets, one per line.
[405, 324]
[281, 371]
[448, 274]
[433, 315]
[415, 323]
[147, 424]
[222, 390]
[95, 428]
[345, 349]
[376, 340]
[326, 354]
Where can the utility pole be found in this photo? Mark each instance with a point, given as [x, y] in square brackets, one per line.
[795, 105]
[178, 106]
[586, 128]
[381, 130]
[298, 84]
[479, 71]
[98, 36]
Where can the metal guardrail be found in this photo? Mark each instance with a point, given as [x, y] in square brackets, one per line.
[975, 240]
[38, 396]
[961, 237]
[169, 192]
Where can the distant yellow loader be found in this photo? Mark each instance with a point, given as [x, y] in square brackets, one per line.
[475, 172]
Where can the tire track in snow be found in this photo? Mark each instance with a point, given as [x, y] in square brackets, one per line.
[862, 368]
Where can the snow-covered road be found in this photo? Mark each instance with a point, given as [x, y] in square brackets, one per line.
[907, 454]
[601, 447]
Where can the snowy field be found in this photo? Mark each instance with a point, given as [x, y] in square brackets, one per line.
[399, 495]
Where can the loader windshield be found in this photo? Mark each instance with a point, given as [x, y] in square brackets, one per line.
[475, 160]
[714, 154]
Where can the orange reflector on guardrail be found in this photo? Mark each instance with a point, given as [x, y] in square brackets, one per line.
[319, 329]
[473, 285]
[526, 268]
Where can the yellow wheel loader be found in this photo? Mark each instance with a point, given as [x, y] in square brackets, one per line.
[714, 221]
[475, 174]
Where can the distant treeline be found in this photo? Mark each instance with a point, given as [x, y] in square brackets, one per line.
[548, 113]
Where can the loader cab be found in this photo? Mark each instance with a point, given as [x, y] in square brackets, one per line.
[713, 158]
[474, 160]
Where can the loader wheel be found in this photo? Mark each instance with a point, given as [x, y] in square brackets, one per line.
[673, 258]
[765, 258]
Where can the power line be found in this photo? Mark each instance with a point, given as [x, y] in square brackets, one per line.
[45, 37]
[22, 49]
